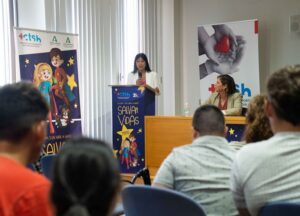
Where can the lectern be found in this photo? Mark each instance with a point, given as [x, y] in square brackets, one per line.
[130, 104]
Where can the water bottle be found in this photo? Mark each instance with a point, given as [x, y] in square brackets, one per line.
[186, 109]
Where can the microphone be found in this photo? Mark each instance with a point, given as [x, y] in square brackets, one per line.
[140, 75]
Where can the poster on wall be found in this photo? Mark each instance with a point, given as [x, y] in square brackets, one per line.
[229, 48]
[50, 61]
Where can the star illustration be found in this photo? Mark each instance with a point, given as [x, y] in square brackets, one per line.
[231, 131]
[141, 88]
[124, 132]
[71, 81]
[71, 61]
[139, 130]
[27, 61]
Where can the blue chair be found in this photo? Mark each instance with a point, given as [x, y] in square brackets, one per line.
[280, 209]
[148, 201]
[31, 167]
[46, 165]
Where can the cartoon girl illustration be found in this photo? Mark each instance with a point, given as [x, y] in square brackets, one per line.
[125, 152]
[42, 78]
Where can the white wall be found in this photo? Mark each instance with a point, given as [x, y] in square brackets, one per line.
[278, 47]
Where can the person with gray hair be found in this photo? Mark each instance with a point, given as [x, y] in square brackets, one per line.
[201, 170]
[269, 170]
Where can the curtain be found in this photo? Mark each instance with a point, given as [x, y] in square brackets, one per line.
[6, 43]
[99, 25]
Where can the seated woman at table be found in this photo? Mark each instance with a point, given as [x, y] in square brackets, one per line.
[86, 178]
[226, 97]
[142, 74]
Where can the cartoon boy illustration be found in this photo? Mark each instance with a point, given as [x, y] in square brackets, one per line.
[42, 78]
[61, 87]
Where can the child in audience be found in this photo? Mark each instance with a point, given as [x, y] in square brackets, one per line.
[86, 178]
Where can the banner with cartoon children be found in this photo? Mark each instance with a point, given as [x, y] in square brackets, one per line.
[130, 104]
[49, 60]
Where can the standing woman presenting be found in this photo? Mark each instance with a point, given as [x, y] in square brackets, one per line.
[142, 74]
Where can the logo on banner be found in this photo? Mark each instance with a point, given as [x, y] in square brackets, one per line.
[68, 43]
[241, 88]
[54, 41]
[30, 38]
[123, 95]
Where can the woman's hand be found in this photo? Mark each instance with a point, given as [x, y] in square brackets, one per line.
[157, 91]
[140, 81]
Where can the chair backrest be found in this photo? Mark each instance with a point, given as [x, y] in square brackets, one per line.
[31, 166]
[46, 164]
[148, 201]
[145, 174]
[280, 209]
[244, 111]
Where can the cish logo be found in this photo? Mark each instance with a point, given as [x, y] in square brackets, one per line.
[29, 37]
[124, 94]
[241, 88]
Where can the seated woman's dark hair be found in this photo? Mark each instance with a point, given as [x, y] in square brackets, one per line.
[229, 81]
[86, 178]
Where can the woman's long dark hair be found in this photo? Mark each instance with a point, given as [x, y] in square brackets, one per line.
[86, 178]
[229, 81]
[144, 57]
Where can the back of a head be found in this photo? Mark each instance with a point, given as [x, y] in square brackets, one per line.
[258, 127]
[86, 178]
[284, 93]
[22, 105]
[209, 120]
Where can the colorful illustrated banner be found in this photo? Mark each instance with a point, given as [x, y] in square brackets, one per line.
[235, 132]
[129, 106]
[229, 48]
[50, 61]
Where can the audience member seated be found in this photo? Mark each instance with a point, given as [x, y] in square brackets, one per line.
[226, 96]
[257, 123]
[23, 114]
[86, 178]
[269, 170]
[201, 170]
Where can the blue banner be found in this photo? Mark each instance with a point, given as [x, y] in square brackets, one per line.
[129, 106]
[235, 132]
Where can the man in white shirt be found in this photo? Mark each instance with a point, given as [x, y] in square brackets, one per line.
[201, 170]
[269, 171]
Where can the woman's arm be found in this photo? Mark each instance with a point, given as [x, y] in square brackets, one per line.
[236, 109]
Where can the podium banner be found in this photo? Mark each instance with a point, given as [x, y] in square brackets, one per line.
[49, 60]
[129, 106]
